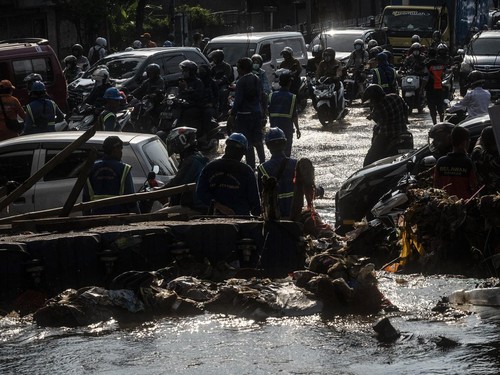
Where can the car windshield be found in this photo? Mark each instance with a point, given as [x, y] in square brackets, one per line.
[121, 67]
[339, 42]
[233, 51]
[157, 154]
[484, 46]
[410, 20]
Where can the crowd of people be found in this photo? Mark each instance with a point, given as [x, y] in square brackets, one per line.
[229, 186]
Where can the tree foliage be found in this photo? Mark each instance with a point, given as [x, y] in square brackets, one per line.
[199, 17]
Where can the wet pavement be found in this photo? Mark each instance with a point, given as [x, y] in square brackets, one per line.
[217, 344]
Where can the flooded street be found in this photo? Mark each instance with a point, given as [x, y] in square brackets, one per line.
[214, 344]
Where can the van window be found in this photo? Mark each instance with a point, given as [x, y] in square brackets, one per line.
[42, 66]
[69, 168]
[15, 166]
[265, 52]
[234, 51]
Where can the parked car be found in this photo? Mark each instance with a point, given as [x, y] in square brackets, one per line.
[482, 53]
[127, 69]
[21, 57]
[267, 44]
[21, 157]
[342, 40]
[359, 193]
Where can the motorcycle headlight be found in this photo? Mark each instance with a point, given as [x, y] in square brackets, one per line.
[170, 102]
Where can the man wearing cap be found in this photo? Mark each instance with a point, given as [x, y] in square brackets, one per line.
[42, 112]
[9, 110]
[227, 185]
[147, 42]
[110, 177]
[281, 167]
[107, 118]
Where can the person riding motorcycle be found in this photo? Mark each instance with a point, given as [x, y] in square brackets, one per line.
[293, 65]
[192, 93]
[81, 60]
[385, 75]
[102, 83]
[436, 40]
[477, 100]
[415, 62]
[357, 62]
[71, 70]
[313, 64]
[223, 75]
[153, 84]
[390, 134]
[329, 66]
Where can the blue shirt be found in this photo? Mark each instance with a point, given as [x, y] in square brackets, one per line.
[41, 116]
[247, 95]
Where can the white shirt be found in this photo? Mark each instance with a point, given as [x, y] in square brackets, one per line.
[475, 102]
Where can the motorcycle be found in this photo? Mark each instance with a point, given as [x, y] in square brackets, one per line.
[178, 112]
[411, 91]
[145, 117]
[352, 81]
[150, 184]
[329, 99]
[455, 117]
[86, 115]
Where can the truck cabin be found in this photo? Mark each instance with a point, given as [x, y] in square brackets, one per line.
[402, 22]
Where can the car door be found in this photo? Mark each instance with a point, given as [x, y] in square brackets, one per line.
[18, 164]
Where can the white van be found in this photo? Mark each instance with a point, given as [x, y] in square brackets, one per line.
[267, 44]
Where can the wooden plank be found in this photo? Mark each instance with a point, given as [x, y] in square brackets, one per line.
[155, 195]
[50, 165]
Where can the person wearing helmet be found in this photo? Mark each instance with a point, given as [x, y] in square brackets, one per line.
[312, 64]
[390, 113]
[414, 64]
[136, 44]
[182, 141]
[41, 113]
[223, 75]
[10, 109]
[436, 40]
[385, 75]
[152, 85]
[372, 55]
[487, 161]
[107, 118]
[293, 65]
[110, 177]
[98, 52]
[100, 76]
[283, 111]
[191, 88]
[81, 60]
[434, 87]
[358, 60]
[30, 78]
[264, 81]
[477, 100]
[146, 41]
[71, 70]
[227, 185]
[371, 43]
[329, 66]
[247, 110]
[279, 167]
[455, 172]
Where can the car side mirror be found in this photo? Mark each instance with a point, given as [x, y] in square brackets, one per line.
[156, 169]
[429, 161]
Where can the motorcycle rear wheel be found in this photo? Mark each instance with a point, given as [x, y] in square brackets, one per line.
[324, 116]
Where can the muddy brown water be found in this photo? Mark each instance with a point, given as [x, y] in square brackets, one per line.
[215, 344]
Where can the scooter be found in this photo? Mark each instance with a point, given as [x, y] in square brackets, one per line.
[145, 118]
[83, 117]
[411, 91]
[455, 117]
[329, 99]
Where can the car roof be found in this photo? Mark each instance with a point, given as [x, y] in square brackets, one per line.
[351, 30]
[146, 52]
[70, 136]
[254, 37]
[489, 34]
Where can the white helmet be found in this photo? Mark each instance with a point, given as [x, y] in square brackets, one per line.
[101, 41]
[137, 44]
[100, 76]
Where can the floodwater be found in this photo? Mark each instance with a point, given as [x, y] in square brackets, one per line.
[215, 344]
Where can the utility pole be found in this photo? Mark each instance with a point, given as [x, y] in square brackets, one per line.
[309, 20]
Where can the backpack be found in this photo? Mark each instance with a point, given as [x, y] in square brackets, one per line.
[95, 56]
